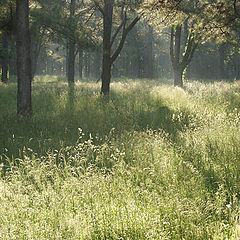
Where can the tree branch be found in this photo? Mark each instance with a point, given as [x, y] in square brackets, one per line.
[99, 7]
[117, 31]
[173, 60]
[191, 47]
[235, 9]
[177, 45]
[124, 35]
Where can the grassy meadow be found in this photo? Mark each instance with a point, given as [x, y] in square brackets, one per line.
[150, 162]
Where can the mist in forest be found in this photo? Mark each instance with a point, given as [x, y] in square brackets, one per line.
[144, 55]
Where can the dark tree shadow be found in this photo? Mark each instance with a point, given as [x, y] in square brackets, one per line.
[55, 125]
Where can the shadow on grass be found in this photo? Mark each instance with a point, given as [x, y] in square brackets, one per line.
[59, 112]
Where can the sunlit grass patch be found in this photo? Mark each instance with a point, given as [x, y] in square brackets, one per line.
[145, 194]
[219, 95]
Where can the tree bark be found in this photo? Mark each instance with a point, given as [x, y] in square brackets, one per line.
[87, 64]
[178, 76]
[71, 62]
[175, 55]
[71, 46]
[149, 68]
[66, 63]
[5, 59]
[97, 64]
[236, 64]
[180, 64]
[106, 62]
[221, 65]
[12, 59]
[80, 63]
[36, 46]
[24, 98]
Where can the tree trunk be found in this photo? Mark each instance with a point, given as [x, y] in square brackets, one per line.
[71, 61]
[34, 66]
[148, 72]
[179, 65]
[106, 62]
[106, 75]
[12, 59]
[97, 64]
[71, 46]
[5, 59]
[24, 99]
[80, 63]
[87, 64]
[221, 65]
[175, 55]
[178, 77]
[35, 51]
[67, 57]
[236, 64]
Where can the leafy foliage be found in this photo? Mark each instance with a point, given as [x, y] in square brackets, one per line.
[211, 19]
[55, 17]
[7, 17]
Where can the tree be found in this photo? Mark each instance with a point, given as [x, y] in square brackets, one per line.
[108, 38]
[221, 22]
[180, 64]
[149, 58]
[71, 45]
[80, 63]
[24, 99]
[70, 24]
[177, 14]
[39, 36]
[221, 53]
[7, 22]
[7, 16]
[4, 57]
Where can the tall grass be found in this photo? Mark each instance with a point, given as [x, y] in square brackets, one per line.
[150, 162]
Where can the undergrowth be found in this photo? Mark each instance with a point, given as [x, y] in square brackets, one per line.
[150, 162]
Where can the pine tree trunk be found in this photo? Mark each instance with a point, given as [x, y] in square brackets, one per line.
[66, 63]
[5, 59]
[97, 64]
[34, 65]
[71, 47]
[35, 51]
[12, 59]
[80, 63]
[86, 64]
[24, 99]
[71, 61]
[236, 64]
[179, 65]
[149, 55]
[178, 77]
[221, 65]
[106, 75]
[106, 62]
